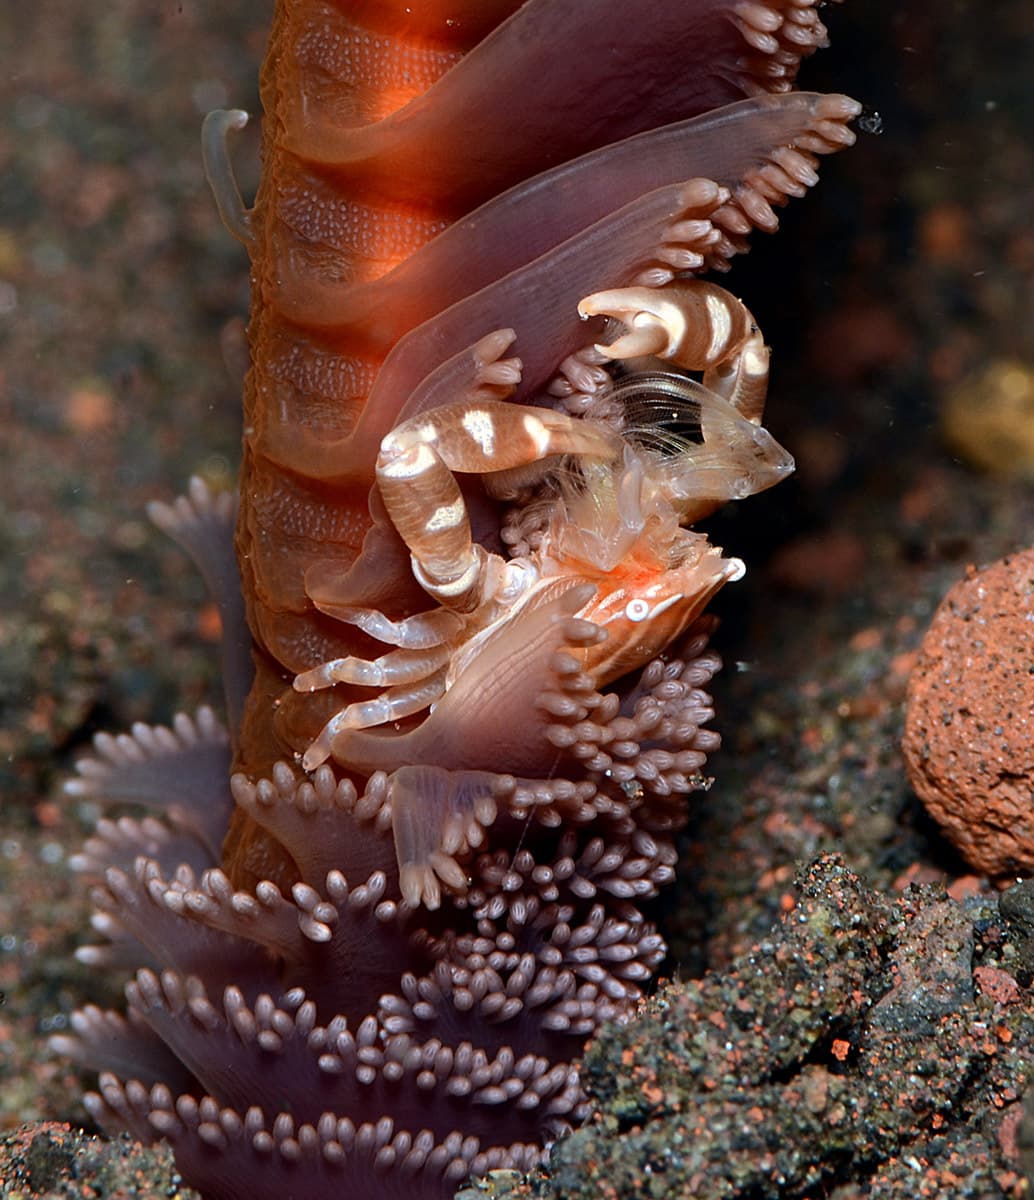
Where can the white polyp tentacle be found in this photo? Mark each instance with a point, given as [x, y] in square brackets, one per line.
[654, 277]
[492, 346]
[215, 154]
[758, 23]
[581, 371]
[681, 258]
[491, 369]
[696, 231]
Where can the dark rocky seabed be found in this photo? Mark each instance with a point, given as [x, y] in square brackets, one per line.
[901, 280]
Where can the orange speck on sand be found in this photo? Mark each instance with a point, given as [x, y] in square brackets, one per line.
[998, 985]
[828, 563]
[47, 813]
[916, 873]
[902, 664]
[867, 639]
[811, 738]
[769, 880]
[1008, 1133]
[964, 887]
[944, 233]
[919, 503]
[209, 623]
[88, 409]
[840, 1049]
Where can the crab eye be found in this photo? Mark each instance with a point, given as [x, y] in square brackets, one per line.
[637, 610]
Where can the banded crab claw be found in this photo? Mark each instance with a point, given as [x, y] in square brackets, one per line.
[694, 324]
[706, 435]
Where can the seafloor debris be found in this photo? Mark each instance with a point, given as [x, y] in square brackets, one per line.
[866, 1047]
[853, 1052]
[988, 418]
[55, 1162]
[969, 732]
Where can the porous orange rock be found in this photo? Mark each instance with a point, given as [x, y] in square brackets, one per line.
[969, 729]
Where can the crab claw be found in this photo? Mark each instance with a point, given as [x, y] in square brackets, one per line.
[655, 324]
[691, 323]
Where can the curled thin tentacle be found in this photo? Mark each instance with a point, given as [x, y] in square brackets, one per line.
[215, 130]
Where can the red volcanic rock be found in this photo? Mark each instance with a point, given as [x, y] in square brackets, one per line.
[969, 729]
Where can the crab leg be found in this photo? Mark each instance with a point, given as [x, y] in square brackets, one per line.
[390, 670]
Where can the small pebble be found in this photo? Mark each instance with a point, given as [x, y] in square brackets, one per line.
[969, 727]
[988, 419]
